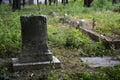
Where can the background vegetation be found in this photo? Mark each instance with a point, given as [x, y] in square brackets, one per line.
[68, 44]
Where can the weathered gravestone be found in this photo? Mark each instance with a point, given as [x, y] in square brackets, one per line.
[34, 53]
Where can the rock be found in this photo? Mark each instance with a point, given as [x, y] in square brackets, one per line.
[61, 19]
[74, 24]
[53, 14]
[82, 23]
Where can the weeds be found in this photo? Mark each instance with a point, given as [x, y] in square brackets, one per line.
[106, 73]
[60, 35]
[70, 38]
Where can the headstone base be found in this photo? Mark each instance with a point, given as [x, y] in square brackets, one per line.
[17, 66]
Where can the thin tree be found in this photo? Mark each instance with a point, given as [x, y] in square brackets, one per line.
[55, 2]
[0, 1]
[10, 2]
[23, 3]
[45, 2]
[115, 1]
[65, 2]
[74, 0]
[87, 3]
[16, 5]
[38, 5]
[50, 2]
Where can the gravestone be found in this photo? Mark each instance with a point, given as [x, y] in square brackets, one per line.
[34, 53]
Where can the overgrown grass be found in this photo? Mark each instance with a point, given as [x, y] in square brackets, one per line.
[106, 73]
[60, 35]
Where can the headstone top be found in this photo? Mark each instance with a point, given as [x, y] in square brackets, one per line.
[42, 17]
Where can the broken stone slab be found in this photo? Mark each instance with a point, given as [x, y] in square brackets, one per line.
[95, 62]
[108, 42]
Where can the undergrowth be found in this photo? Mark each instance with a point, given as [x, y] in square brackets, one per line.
[105, 73]
[62, 36]
[10, 34]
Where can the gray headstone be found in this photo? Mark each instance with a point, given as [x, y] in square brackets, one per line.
[34, 39]
[34, 43]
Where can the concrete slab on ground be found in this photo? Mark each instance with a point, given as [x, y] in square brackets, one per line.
[95, 62]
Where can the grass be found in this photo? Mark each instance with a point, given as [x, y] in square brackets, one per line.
[67, 44]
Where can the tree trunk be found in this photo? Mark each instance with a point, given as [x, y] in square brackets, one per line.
[23, 3]
[87, 3]
[50, 2]
[31, 1]
[16, 5]
[115, 1]
[38, 5]
[45, 2]
[10, 2]
[74, 0]
[0, 1]
[62, 1]
[66, 1]
[55, 2]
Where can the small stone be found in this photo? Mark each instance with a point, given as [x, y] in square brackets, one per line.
[82, 23]
[53, 14]
[65, 15]
[61, 19]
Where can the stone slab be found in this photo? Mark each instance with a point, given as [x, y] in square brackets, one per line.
[17, 66]
[95, 62]
[108, 42]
